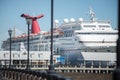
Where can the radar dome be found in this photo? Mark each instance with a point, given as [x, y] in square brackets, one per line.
[56, 21]
[66, 20]
[72, 19]
[80, 19]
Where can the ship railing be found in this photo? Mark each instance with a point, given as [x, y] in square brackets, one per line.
[87, 21]
[98, 21]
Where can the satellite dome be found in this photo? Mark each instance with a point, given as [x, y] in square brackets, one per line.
[66, 20]
[80, 19]
[56, 21]
[72, 19]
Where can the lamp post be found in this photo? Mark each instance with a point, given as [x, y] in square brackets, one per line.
[29, 22]
[10, 33]
[116, 73]
[51, 67]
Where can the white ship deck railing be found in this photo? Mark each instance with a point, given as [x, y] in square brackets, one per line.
[87, 21]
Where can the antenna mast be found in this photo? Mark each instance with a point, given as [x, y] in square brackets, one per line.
[92, 15]
[14, 32]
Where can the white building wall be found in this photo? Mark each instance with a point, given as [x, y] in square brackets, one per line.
[19, 55]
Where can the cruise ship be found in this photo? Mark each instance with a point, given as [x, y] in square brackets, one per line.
[72, 37]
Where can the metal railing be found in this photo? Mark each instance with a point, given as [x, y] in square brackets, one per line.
[24, 74]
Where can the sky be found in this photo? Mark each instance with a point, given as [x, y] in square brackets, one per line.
[10, 11]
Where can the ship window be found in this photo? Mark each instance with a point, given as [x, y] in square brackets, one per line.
[47, 37]
[13, 55]
[18, 55]
[13, 41]
[57, 36]
[36, 38]
[76, 27]
[87, 26]
[39, 55]
[104, 26]
[44, 41]
[30, 55]
[98, 33]
[4, 55]
[24, 40]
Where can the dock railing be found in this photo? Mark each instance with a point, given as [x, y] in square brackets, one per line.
[24, 74]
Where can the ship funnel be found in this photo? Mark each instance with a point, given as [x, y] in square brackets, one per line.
[35, 29]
